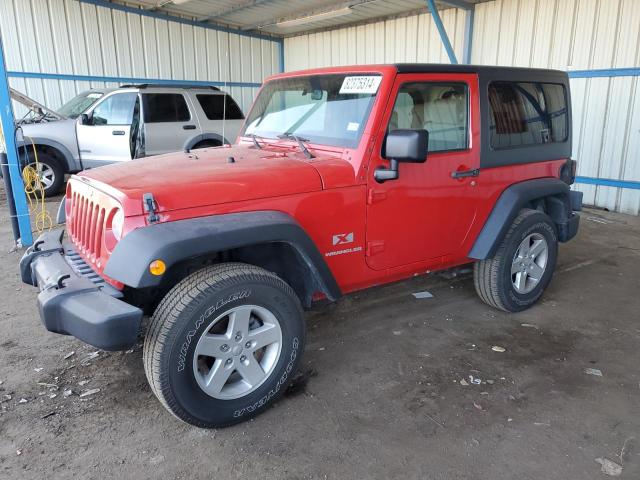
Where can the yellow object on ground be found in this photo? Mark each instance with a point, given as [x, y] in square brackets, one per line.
[35, 194]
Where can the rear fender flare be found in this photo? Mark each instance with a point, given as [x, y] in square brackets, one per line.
[511, 201]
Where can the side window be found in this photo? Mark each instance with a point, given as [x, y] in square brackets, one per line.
[165, 107]
[440, 108]
[527, 114]
[214, 107]
[115, 110]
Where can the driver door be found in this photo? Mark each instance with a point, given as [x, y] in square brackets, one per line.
[108, 136]
[425, 214]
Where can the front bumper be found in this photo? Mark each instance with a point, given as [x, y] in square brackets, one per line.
[74, 300]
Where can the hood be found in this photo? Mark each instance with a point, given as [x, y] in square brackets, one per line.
[206, 177]
[53, 128]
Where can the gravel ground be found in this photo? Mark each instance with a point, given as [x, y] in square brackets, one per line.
[387, 388]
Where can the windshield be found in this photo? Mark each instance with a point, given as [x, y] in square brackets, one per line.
[323, 109]
[78, 104]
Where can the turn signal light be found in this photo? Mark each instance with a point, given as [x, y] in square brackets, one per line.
[157, 267]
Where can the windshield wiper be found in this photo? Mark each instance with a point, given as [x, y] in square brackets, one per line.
[255, 137]
[300, 140]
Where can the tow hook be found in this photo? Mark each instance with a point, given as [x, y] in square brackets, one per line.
[150, 207]
[56, 281]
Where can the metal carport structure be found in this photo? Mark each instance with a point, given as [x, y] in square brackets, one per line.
[54, 48]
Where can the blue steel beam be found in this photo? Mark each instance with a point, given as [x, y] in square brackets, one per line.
[458, 4]
[609, 182]
[8, 132]
[605, 72]
[441, 30]
[123, 80]
[468, 35]
[470, 8]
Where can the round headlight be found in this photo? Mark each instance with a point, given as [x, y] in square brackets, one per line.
[117, 223]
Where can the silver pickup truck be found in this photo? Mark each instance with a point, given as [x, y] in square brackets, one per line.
[113, 125]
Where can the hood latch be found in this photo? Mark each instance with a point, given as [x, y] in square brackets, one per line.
[150, 207]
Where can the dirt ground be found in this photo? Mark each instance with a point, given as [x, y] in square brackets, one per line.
[380, 395]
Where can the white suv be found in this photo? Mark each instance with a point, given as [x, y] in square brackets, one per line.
[113, 125]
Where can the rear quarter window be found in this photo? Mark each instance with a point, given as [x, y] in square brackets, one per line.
[217, 107]
[165, 107]
[527, 113]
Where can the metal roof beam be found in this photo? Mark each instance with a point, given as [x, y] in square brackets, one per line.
[458, 4]
[235, 8]
[308, 13]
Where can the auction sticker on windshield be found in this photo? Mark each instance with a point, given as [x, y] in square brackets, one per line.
[360, 84]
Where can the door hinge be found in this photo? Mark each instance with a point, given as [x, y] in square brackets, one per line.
[376, 196]
[150, 207]
[374, 247]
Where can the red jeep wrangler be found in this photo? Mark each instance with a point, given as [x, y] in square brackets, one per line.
[341, 179]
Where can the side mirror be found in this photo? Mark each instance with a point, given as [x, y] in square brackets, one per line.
[408, 146]
[86, 119]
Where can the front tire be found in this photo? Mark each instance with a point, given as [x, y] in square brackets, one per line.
[51, 174]
[223, 344]
[516, 277]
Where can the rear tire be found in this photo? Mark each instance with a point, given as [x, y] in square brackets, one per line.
[516, 277]
[223, 344]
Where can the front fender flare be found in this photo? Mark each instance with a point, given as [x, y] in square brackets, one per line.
[181, 240]
[70, 161]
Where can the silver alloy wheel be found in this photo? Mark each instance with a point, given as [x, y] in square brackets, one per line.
[45, 172]
[237, 352]
[529, 263]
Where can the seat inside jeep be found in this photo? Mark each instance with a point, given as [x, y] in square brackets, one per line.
[439, 109]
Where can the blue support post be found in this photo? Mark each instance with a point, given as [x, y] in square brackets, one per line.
[8, 132]
[443, 33]
[281, 53]
[468, 35]
[470, 10]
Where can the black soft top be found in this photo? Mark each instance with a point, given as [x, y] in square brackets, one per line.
[490, 157]
[482, 70]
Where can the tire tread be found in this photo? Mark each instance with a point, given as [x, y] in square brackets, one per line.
[486, 272]
[179, 299]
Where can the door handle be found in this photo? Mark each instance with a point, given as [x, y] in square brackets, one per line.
[465, 173]
[188, 127]
[117, 132]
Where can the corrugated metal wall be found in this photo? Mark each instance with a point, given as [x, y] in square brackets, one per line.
[405, 39]
[564, 34]
[579, 35]
[77, 38]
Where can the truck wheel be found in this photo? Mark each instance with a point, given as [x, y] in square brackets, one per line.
[50, 172]
[223, 344]
[515, 278]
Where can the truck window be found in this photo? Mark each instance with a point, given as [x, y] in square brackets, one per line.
[214, 107]
[441, 109]
[115, 110]
[527, 114]
[165, 107]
